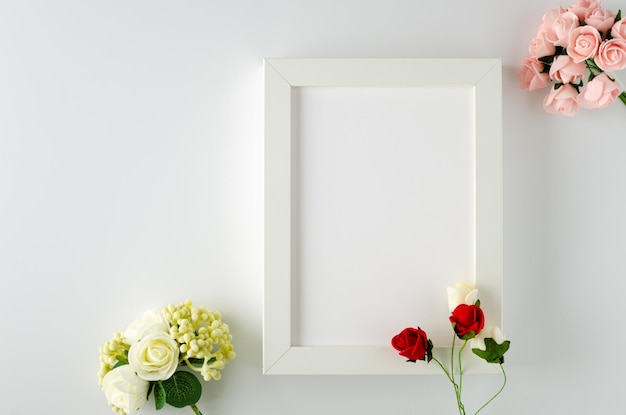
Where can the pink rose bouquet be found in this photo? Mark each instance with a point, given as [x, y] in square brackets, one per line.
[574, 52]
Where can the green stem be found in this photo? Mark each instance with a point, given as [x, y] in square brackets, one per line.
[195, 409]
[622, 97]
[461, 376]
[461, 365]
[444, 369]
[452, 358]
[497, 393]
[457, 390]
[459, 403]
[456, 387]
[593, 67]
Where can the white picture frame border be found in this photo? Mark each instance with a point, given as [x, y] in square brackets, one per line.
[484, 77]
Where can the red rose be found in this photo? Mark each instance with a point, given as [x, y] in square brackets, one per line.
[413, 344]
[467, 321]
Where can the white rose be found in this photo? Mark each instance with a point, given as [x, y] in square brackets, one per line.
[151, 321]
[154, 357]
[494, 333]
[461, 294]
[124, 389]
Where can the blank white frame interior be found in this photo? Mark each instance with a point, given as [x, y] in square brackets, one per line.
[483, 77]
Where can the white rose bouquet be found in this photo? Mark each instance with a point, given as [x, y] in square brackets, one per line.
[159, 352]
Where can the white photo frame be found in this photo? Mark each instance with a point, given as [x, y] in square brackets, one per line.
[483, 77]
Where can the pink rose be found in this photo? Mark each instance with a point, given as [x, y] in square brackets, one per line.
[581, 6]
[565, 70]
[561, 28]
[531, 75]
[599, 93]
[548, 21]
[562, 101]
[583, 43]
[551, 15]
[619, 29]
[601, 19]
[612, 55]
[540, 46]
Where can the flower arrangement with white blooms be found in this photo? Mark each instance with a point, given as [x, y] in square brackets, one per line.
[575, 51]
[159, 352]
[468, 323]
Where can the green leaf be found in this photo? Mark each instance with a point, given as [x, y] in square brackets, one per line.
[196, 361]
[469, 335]
[494, 352]
[477, 303]
[121, 360]
[182, 389]
[429, 351]
[546, 59]
[159, 395]
[619, 16]
[118, 364]
[591, 76]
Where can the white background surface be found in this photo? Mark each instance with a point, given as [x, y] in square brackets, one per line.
[131, 160]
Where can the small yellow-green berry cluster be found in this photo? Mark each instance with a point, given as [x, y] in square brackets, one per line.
[201, 335]
[109, 354]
